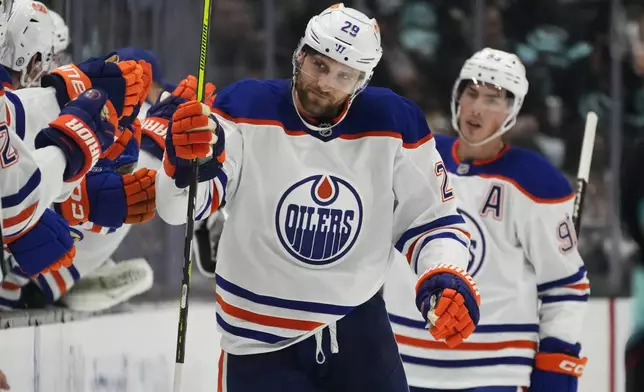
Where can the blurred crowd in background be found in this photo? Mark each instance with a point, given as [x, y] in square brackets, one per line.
[580, 55]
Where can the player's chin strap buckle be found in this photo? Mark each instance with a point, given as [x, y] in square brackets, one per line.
[320, 358]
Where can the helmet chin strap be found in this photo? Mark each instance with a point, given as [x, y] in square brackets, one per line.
[27, 81]
[488, 139]
[505, 126]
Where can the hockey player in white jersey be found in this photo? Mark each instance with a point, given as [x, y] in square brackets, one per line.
[31, 179]
[37, 237]
[523, 252]
[35, 106]
[325, 180]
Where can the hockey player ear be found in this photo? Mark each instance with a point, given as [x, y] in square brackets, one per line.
[299, 58]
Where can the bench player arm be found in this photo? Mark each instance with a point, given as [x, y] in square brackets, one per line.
[22, 187]
[30, 111]
[32, 179]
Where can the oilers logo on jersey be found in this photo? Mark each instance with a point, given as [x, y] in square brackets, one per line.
[478, 246]
[318, 220]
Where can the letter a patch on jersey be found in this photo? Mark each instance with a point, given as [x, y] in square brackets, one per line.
[493, 202]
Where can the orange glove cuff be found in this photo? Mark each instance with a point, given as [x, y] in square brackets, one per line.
[75, 80]
[454, 270]
[75, 209]
[560, 363]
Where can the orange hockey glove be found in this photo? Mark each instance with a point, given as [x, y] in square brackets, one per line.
[449, 301]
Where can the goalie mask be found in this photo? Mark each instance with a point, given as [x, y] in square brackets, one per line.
[333, 63]
[492, 84]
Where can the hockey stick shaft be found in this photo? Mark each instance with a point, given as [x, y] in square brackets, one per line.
[190, 221]
[585, 160]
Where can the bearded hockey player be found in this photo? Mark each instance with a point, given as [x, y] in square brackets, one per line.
[523, 252]
[325, 180]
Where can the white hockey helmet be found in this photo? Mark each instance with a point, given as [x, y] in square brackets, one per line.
[497, 68]
[30, 32]
[61, 32]
[5, 10]
[347, 36]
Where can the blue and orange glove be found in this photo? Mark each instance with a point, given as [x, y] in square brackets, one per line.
[146, 79]
[155, 125]
[47, 246]
[557, 366]
[123, 81]
[193, 134]
[109, 199]
[449, 301]
[85, 131]
[112, 194]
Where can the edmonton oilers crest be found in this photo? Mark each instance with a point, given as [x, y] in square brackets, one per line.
[318, 220]
[477, 243]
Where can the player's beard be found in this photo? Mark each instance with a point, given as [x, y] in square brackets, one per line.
[315, 102]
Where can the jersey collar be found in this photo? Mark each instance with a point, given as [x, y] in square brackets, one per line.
[477, 162]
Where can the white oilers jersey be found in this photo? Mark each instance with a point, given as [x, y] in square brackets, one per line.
[312, 219]
[30, 110]
[20, 186]
[28, 178]
[524, 259]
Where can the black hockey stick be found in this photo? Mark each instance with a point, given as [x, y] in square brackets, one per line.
[585, 159]
[190, 220]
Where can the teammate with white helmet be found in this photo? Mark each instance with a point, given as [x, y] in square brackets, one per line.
[62, 40]
[29, 48]
[523, 252]
[324, 180]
